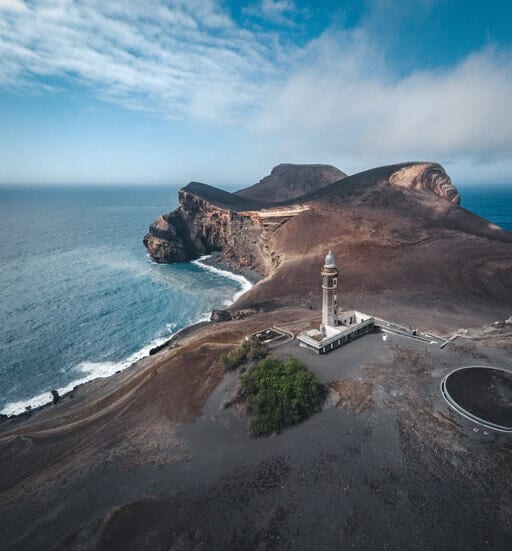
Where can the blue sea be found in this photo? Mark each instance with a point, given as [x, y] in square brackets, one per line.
[491, 202]
[80, 298]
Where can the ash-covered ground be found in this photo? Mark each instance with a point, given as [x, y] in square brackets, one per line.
[151, 458]
[387, 466]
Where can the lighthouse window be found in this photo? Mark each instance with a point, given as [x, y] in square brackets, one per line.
[335, 281]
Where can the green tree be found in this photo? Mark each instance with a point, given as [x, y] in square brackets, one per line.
[280, 394]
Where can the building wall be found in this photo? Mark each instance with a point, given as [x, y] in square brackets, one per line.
[352, 317]
[329, 298]
[366, 325]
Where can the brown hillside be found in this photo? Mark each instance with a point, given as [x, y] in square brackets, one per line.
[403, 253]
[406, 249]
[289, 181]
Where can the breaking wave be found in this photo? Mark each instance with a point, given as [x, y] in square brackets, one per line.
[245, 284]
[88, 371]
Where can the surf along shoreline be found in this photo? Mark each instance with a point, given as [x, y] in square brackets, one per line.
[22, 408]
[248, 279]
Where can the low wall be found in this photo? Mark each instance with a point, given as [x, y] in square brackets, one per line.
[340, 339]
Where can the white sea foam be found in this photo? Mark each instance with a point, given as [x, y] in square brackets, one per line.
[89, 371]
[243, 281]
[98, 370]
[150, 260]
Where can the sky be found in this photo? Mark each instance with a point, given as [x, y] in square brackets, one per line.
[217, 91]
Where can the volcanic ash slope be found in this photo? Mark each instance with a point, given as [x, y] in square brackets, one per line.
[406, 249]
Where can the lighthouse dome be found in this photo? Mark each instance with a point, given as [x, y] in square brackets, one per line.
[329, 260]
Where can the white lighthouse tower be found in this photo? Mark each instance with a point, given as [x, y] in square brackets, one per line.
[329, 291]
[336, 330]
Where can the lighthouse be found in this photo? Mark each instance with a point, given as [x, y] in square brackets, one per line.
[329, 291]
[336, 330]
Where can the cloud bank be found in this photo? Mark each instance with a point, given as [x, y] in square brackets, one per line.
[336, 97]
[345, 99]
[277, 11]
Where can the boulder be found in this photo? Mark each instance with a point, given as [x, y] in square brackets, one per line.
[221, 315]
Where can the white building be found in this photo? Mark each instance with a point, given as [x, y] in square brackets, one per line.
[336, 329]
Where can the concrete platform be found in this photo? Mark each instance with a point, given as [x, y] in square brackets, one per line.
[482, 394]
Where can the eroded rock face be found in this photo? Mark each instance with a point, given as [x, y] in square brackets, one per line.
[168, 239]
[209, 219]
[426, 176]
[245, 233]
[197, 228]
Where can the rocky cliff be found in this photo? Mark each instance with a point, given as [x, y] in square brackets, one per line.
[198, 227]
[242, 226]
[426, 176]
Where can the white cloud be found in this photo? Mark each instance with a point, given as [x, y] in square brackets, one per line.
[337, 99]
[346, 102]
[181, 58]
[277, 11]
[13, 5]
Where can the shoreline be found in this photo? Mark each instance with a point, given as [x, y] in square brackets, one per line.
[247, 278]
[109, 369]
[212, 260]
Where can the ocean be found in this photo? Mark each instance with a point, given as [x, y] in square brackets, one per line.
[491, 202]
[80, 298]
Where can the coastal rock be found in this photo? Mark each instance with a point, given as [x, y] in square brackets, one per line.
[56, 397]
[158, 348]
[168, 239]
[426, 176]
[199, 227]
[220, 315]
[210, 219]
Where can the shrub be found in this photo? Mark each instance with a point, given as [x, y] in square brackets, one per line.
[280, 394]
[231, 360]
[255, 349]
[250, 349]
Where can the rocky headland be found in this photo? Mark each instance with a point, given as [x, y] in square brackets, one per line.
[241, 224]
[398, 231]
[209, 219]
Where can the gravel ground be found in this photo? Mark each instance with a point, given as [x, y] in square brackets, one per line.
[404, 471]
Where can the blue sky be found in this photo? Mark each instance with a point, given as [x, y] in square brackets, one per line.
[168, 91]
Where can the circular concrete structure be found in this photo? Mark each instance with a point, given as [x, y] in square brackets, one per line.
[481, 394]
